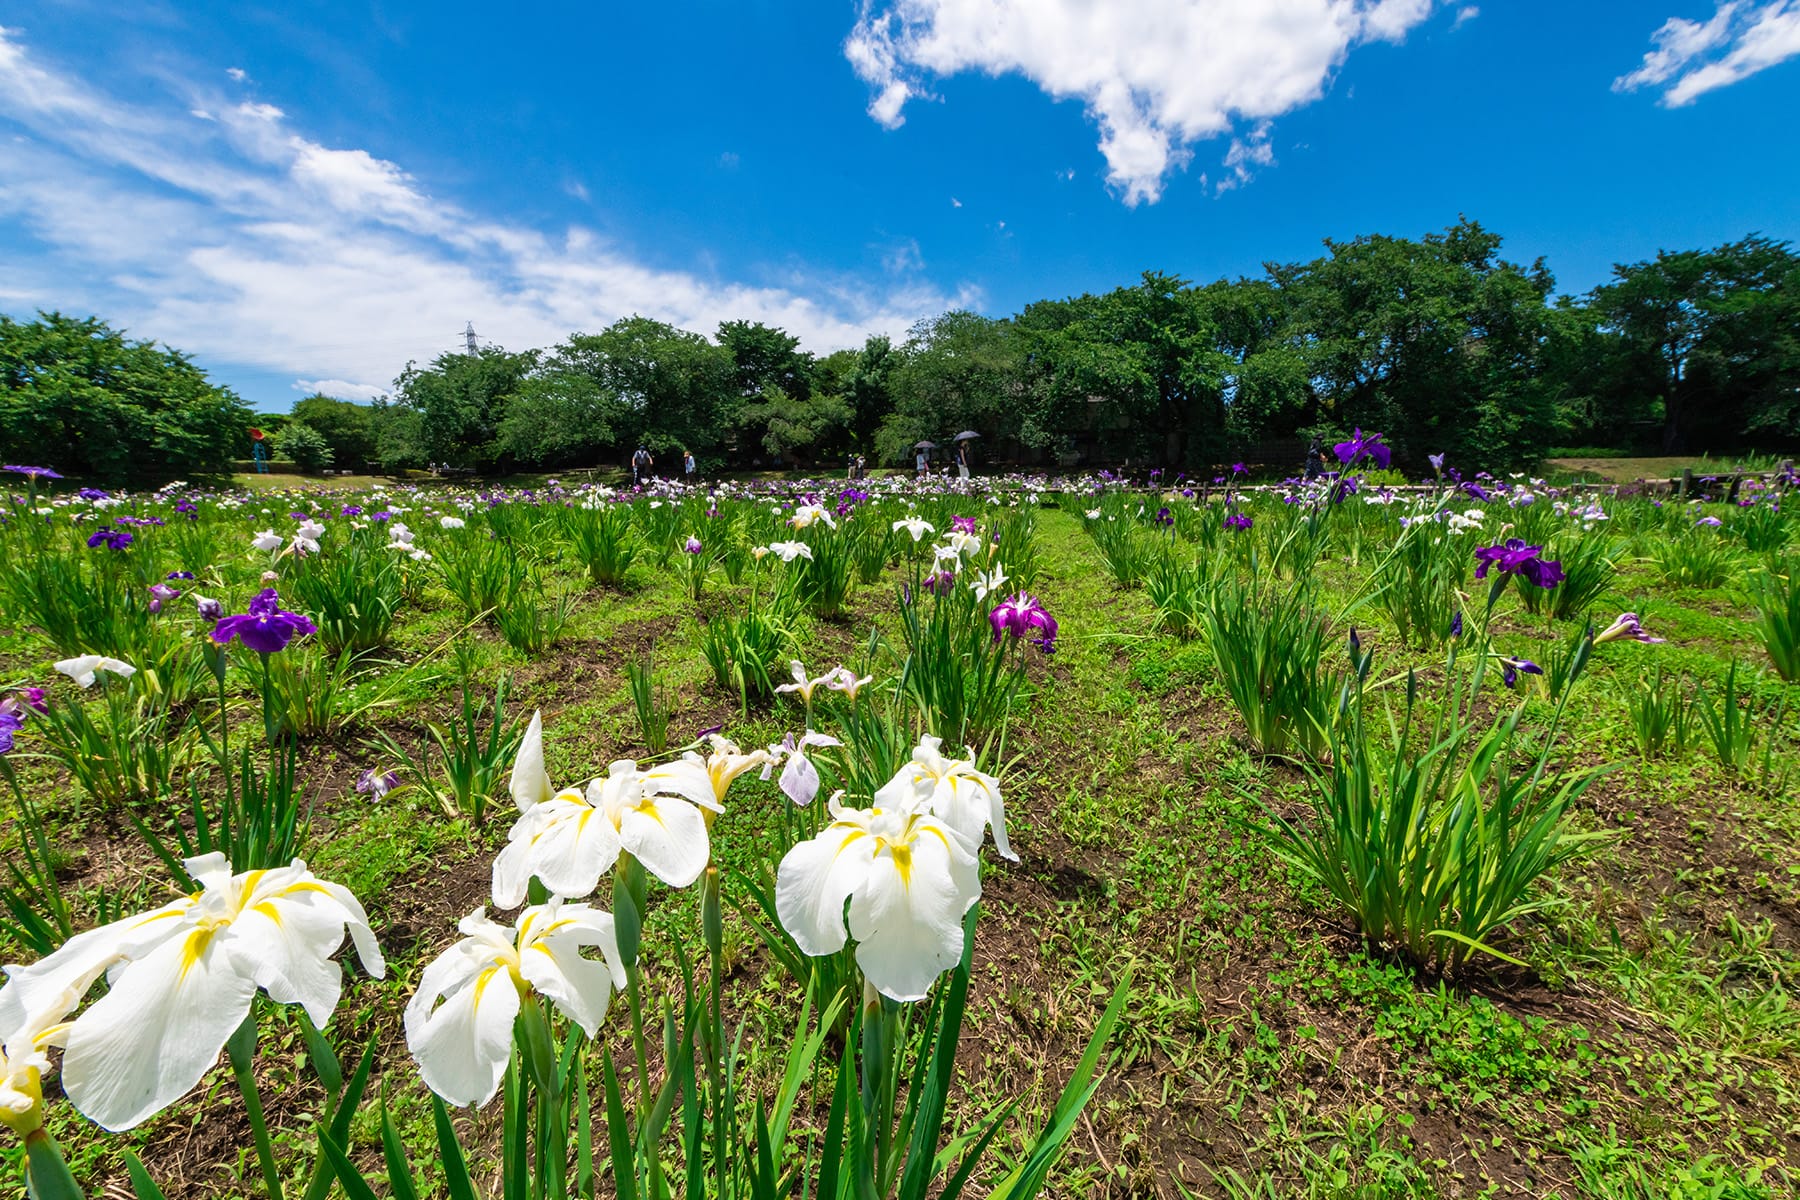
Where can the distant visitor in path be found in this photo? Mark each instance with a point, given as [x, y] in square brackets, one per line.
[641, 463]
[1315, 460]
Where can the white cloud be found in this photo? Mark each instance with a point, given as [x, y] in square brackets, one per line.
[1696, 57]
[339, 388]
[1464, 15]
[239, 238]
[1156, 76]
[1245, 154]
[236, 74]
[902, 256]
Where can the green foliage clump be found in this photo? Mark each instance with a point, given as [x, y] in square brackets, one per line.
[77, 392]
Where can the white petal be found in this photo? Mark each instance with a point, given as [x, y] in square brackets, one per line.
[84, 958]
[512, 870]
[156, 1032]
[356, 920]
[908, 926]
[80, 669]
[285, 945]
[462, 1046]
[667, 835]
[814, 880]
[530, 782]
[574, 850]
[685, 777]
[553, 964]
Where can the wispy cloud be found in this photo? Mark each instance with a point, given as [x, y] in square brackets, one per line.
[1693, 58]
[215, 224]
[1157, 76]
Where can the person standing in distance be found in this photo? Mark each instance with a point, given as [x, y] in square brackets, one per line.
[687, 465]
[962, 459]
[641, 463]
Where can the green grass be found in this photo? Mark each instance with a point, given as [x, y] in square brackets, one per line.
[1653, 1048]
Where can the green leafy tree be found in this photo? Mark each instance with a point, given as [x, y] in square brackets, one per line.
[1139, 369]
[460, 402]
[1437, 342]
[348, 429]
[764, 357]
[567, 412]
[799, 430]
[304, 446]
[957, 371]
[78, 393]
[668, 388]
[866, 389]
[1712, 333]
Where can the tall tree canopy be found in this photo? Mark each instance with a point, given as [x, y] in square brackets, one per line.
[348, 429]
[1439, 342]
[1714, 335]
[80, 397]
[451, 412]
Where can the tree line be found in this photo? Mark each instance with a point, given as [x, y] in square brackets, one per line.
[1440, 342]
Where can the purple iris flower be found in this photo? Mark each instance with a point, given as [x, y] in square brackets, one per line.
[112, 539]
[1456, 626]
[210, 610]
[94, 494]
[1239, 468]
[32, 698]
[265, 628]
[179, 575]
[962, 524]
[10, 723]
[1628, 627]
[33, 473]
[1512, 668]
[1024, 616]
[1436, 461]
[1359, 445]
[351, 510]
[161, 594]
[1476, 491]
[1238, 521]
[1514, 557]
[1164, 517]
[377, 784]
[692, 545]
[942, 583]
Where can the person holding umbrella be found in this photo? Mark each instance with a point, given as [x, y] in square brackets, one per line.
[919, 460]
[965, 453]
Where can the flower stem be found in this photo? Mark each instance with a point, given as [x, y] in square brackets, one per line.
[634, 996]
[241, 1050]
[47, 1176]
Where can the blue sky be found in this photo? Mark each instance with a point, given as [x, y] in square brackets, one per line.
[312, 195]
